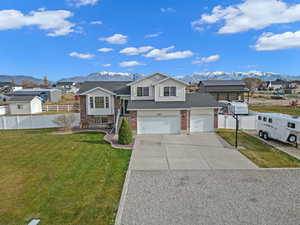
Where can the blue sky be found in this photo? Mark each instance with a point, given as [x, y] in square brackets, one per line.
[64, 38]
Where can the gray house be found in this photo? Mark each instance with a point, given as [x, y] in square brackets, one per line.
[230, 90]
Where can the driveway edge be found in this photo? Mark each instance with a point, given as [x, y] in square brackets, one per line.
[124, 191]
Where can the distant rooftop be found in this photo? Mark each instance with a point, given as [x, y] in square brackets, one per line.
[21, 98]
[223, 82]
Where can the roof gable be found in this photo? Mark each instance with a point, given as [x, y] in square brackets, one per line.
[170, 78]
[158, 75]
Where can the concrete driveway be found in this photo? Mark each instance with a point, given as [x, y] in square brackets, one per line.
[186, 152]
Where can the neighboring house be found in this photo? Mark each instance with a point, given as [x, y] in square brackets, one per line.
[276, 85]
[101, 102]
[25, 105]
[53, 95]
[156, 104]
[67, 86]
[230, 90]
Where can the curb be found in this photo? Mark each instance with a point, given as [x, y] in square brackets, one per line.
[124, 192]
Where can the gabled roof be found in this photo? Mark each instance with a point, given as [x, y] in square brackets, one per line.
[170, 78]
[116, 87]
[223, 83]
[147, 77]
[195, 100]
[22, 98]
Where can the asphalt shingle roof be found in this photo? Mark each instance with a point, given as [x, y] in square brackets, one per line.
[22, 98]
[192, 100]
[118, 87]
[223, 82]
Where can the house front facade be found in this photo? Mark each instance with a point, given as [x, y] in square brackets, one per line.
[156, 104]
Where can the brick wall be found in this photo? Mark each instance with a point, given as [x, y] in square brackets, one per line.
[133, 120]
[83, 113]
[216, 113]
[183, 119]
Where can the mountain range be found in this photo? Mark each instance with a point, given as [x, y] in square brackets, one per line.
[196, 77]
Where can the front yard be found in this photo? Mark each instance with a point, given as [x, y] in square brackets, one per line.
[263, 155]
[294, 111]
[60, 179]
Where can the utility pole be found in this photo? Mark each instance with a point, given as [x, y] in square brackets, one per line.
[236, 117]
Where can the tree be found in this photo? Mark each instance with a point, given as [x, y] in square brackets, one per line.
[252, 83]
[29, 84]
[46, 81]
[125, 133]
[65, 121]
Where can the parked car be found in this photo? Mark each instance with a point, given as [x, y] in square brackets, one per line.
[278, 126]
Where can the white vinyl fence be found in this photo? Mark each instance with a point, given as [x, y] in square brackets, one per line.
[32, 122]
[245, 122]
[3, 109]
[59, 108]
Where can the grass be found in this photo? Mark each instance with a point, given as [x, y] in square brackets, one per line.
[262, 154]
[61, 179]
[294, 111]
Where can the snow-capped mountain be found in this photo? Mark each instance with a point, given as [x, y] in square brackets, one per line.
[105, 76]
[196, 77]
[219, 75]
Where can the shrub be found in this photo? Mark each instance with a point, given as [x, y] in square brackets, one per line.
[125, 133]
[65, 121]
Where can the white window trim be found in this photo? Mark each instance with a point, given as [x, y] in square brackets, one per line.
[94, 102]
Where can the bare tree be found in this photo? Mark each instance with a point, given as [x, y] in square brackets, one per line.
[252, 83]
[65, 121]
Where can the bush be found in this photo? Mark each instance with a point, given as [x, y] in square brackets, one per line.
[125, 133]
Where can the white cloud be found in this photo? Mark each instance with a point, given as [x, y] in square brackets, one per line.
[106, 65]
[96, 22]
[131, 63]
[154, 35]
[170, 10]
[270, 41]
[81, 55]
[164, 54]
[209, 59]
[55, 22]
[136, 51]
[78, 3]
[117, 39]
[105, 50]
[251, 14]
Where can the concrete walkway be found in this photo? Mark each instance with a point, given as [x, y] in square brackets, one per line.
[186, 152]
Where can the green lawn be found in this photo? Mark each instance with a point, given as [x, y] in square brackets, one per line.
[260, 153]
[294, 111]
[73, 179]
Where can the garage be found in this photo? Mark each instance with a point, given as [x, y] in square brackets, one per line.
[158, 122]
[202, 120]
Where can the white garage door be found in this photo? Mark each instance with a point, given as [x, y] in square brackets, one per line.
[201, 122]
[159, 124]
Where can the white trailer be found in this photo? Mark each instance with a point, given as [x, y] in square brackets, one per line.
[278, 126]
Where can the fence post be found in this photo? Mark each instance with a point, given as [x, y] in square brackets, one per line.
[68, 108]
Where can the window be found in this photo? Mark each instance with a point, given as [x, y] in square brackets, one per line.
[19, 106]
[106, 102]
[265, 119]
[142, 91]
[291, 125]
[259, 117]
[169, 91]
[91, 102]
[99, 102]
[270, 120]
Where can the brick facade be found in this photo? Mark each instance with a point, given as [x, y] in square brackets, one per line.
[133, 120]
[82, 99]
[216, 116]
[183, 120]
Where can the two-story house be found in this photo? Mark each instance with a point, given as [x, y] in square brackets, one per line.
[157, 104]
